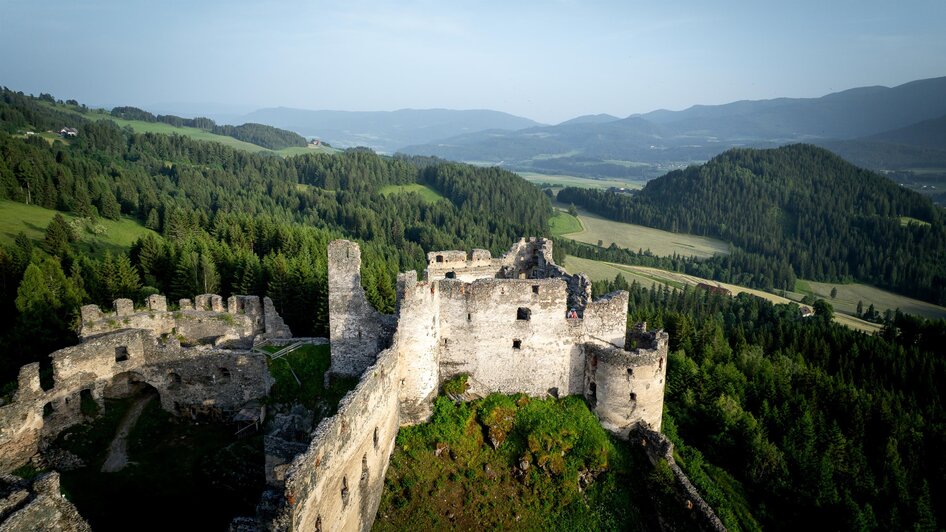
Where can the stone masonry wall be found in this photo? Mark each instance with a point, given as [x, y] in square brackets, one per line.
[357, 331]
[337, 483]
[206, 321]
[196, 381]
[416, 341]
[626, 388]
[511, 335]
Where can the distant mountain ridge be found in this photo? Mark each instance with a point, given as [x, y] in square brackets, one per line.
[601, 147]
[384, 131]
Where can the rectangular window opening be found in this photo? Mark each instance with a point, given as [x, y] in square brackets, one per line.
[535, 289]
[523, 314]
[517, 344]
[121, 353]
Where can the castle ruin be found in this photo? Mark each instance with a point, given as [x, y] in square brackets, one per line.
[198, 359]
[516, 323]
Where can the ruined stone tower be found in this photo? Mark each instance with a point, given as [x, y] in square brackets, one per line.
[357, 330]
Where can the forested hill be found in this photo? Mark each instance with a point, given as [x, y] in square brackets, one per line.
[827, 218]
[19, 112]
[229, 222]
[259, 134]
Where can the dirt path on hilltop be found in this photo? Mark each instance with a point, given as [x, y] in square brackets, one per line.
[117, 457]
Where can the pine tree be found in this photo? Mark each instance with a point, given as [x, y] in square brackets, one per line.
[58, 237]
[110, 207]
[153, 221]
[209, 279]
[119, 277]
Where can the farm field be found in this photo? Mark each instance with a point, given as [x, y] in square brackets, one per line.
[108, 235]
[563, 223]
[430, 195]
[648, 277]
[634, 237]
[849, 294]
[580, 182]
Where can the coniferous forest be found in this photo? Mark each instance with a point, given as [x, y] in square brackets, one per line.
[796, 205]
[779, 421]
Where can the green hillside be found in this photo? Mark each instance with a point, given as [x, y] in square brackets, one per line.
[799, 205]
[145, 126]
[95, 236]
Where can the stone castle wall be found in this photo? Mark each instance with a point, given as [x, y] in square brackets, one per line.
[511, 331]
[357, 330]
[337, 483]
[206, 320]
[199, 380]
[510, 335]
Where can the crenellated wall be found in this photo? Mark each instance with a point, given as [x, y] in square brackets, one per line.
[199, 380]
[205, 321]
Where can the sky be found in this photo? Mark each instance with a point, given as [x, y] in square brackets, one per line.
[546, 60]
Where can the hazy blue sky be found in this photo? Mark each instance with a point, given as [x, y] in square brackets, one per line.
[548, 60]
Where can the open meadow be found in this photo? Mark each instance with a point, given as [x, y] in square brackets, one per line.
[648, 277]
[94, 237]
[428, 194]
[637, 237]
[579, 182]
[141, 126]
[848, 295]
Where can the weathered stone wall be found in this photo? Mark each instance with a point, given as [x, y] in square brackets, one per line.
[358, 331]
[337, 483]
[416, 344]
[626, 388]
[196, 381]
[511, 335]
[39, 507]
[478, 264]
[21, 422]
[206, 322]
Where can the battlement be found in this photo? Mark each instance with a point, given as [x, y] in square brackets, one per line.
[203, 320]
